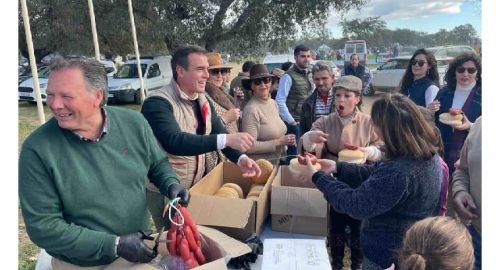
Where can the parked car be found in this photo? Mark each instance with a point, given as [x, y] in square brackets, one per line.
[448, 53]
[276, 60]
[387, 76]
[124, 86]
[110, 67]
[26, 89]
[336, 70]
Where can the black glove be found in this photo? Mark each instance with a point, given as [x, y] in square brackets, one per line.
[132, 248]
[177, 190]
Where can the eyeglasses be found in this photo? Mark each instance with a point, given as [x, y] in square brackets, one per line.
[258, 81]
[419, 62]
[470, 70]
[215, 71]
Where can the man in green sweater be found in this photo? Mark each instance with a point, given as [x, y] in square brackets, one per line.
[83, 174]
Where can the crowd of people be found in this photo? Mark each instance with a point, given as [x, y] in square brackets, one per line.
[90, 178]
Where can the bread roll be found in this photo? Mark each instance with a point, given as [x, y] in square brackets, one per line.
[295, 167]
[253, 193]
[351, 156]
[267, 168]
[227, 192]
[450, 119]
[256, 187]
[235, 187]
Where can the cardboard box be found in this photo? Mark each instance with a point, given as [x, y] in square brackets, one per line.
[297, 207]
[217, 247]
[238, 218]
[295, 254]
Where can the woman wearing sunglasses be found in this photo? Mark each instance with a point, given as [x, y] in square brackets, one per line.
[421, 79]
[224, 104]
[462, 91]
[261, 117]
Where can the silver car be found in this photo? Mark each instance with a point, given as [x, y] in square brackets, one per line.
[387, 76]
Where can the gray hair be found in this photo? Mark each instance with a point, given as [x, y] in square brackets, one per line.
[323, 65]
[93, 71]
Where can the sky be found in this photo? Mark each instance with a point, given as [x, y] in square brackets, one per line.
[420, 15]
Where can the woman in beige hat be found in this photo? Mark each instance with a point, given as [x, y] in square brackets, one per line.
[224, 104]
[261, 117]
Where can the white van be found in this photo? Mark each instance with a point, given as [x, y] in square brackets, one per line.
[124, 86]
[275, 61]
[355, 47]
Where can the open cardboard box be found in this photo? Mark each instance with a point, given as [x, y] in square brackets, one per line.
[238, 218]
[297, 207]
[217, 247]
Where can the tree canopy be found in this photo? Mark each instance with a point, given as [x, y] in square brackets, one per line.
[64, 26]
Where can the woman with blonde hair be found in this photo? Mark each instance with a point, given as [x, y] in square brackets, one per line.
[437, 243]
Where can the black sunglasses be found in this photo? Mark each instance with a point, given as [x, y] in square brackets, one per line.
[258, 81]
[419, 62]
[470, 70]
[216, 71]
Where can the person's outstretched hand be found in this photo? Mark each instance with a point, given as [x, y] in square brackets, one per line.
[240, 141]
[249, 167]
[177, 190]
[132, 248]
[305, 174]
[328, 165]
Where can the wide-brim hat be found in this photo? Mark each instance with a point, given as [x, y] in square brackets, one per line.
[256, 72]
[278, 72]
[349, 82]
[215, 61]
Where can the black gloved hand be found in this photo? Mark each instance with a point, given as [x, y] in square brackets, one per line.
[132, 248]
[177, 190]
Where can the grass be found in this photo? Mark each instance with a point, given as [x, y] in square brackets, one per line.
[28, 122]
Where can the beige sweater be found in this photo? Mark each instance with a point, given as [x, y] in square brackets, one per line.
[358, 131]
[261, 120]
[467, 177]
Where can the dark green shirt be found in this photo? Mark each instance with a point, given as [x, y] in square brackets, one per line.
[77, 196]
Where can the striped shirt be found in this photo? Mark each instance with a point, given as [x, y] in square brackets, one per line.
[323, 108]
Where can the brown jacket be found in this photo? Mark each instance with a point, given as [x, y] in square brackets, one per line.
[222, 103]
[358, 131]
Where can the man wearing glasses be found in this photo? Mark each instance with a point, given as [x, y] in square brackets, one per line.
[294, 87]
[186, 125]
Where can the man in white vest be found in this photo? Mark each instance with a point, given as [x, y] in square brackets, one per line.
[185, 125]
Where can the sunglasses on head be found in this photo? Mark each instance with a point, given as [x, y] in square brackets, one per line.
[216, 71]
[419, 62]
[261, 80]
[470, 70]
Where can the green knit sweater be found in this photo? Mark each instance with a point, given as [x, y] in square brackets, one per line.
[77, 196]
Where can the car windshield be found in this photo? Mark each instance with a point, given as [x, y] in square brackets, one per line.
[129, 71]
[109, 69]
[360, 48]
[349, 48]
[44, 72]
[272, 66]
